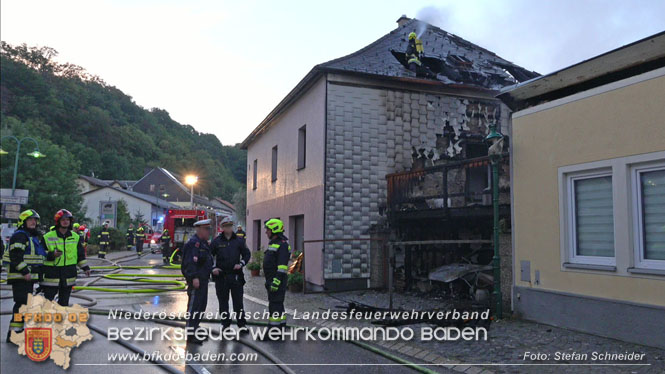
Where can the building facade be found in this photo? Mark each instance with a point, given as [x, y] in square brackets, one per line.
[321, 158]
[588, 171]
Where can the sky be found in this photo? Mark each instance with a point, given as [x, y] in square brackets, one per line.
[222, 66]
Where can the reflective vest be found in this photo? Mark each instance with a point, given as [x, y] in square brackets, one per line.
[104, 237]
[33, 255]
[68, 246]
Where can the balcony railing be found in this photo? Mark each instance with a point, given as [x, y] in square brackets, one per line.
[450, 185]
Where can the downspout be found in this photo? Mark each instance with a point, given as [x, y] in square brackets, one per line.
[325, 181]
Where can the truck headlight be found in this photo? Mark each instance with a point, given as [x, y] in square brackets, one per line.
[152, 241]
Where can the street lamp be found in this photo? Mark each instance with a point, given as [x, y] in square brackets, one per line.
[35, 153]
[494, 141]
[191, 181]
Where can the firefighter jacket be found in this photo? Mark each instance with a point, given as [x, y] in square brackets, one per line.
[196, 259]
[165, 238]
[230, 252]
[104, 237]
[276, 260]
[25, 255]
[414, 51]
[64, 266]
[240, 233]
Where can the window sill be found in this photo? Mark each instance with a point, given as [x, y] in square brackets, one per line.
[570, 265]
[646, 271]
[302, 168]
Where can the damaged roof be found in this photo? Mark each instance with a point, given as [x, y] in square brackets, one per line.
[456, 62]
[453, 59]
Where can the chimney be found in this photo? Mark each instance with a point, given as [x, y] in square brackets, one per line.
[403, 20]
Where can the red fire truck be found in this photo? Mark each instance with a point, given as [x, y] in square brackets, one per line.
[180, 223]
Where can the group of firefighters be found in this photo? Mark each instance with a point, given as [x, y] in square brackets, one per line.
[52, 260]
[222, 260]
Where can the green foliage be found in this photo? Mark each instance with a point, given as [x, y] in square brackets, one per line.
[295, 279]
[257, 258]
[87, 127]
[254, 266]
[50, 180]
[138, 219]
[124, 219]
[240, 203]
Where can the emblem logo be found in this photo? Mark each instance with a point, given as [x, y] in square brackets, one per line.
[38, 343]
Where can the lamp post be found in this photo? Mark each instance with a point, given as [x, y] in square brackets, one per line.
[35, 153]
[191, 181]
[494, 141]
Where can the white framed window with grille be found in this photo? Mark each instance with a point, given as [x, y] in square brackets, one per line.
[648, 203]
[590, 218]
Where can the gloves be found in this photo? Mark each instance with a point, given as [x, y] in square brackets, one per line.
[275, 285]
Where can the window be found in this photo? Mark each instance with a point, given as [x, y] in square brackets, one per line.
[649, 215]
[254, 175]
[274, 163]
[302, 146]
[591, 219]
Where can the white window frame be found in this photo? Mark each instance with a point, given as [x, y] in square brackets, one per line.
[570, 222]
[638, 236]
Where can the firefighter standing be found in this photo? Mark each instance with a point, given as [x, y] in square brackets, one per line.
[196, 267]
[231, 255]
[64, 252]
[166, 245]
[130, 237]
[275, 267]
[25, 256]
[84, 236]
[140, 237]
[104, 240]
[240, 233]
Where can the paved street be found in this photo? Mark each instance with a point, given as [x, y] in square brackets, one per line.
[300, 356]
[508, 341]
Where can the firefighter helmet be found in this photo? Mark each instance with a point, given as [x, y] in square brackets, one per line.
[275, 225]
[62, 213]
[412, 35]
[76, 226]
[25, 215]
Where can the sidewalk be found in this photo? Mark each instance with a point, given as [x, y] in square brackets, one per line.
[508, 339]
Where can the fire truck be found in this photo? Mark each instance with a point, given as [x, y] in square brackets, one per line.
[180, 223]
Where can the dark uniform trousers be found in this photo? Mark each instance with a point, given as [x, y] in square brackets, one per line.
[276, 302]
[197, 301]
[139, 243]
[20, 291]
[232, 283]
[63, 291]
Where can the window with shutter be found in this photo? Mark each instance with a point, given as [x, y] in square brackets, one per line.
[649, 201]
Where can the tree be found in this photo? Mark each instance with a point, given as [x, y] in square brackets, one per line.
[240, 203]
[139, 219]
[124, 219]
[51, 180]
[103, 128]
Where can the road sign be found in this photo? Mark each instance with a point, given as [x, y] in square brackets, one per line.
[19, 196]
[11, 211]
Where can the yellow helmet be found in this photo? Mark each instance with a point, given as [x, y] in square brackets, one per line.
[27, 214]
[76, 226]
[275, 225]
[412, 35]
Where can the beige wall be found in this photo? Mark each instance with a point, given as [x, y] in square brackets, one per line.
[295, 192]
[622, 122]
